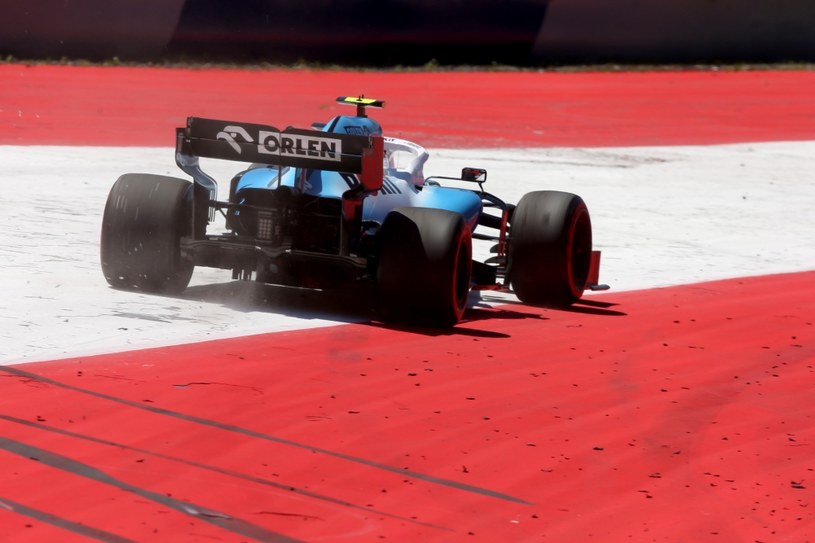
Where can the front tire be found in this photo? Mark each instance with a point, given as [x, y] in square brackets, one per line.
[425, 264]
[144, 220]
[550, 242]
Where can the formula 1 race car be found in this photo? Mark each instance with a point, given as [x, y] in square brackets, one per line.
[340, 205]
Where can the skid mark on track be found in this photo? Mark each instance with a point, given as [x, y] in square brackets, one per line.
[75, 527]
[274, 439]
[63, 463]
[221, 471]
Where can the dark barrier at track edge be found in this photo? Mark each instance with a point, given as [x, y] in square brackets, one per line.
[413, 32]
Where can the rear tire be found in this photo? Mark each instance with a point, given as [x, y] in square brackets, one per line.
[550, 242]
[144, 220]
[425, 264]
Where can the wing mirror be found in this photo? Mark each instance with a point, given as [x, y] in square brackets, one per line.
[479, 175]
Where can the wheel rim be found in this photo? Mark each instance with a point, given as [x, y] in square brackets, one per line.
[580, 249]
[461, 287]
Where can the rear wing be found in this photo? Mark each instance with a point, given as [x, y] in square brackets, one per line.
[294, 147]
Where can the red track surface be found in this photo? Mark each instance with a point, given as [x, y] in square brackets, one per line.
[670, 415]
[142, 106]
[677, 414]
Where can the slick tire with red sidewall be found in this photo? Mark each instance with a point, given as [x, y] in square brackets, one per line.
[550, 244]
[425, 265]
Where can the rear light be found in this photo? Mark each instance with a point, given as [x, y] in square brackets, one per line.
[268, 226]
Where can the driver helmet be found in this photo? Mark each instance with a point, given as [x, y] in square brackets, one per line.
[355, 126]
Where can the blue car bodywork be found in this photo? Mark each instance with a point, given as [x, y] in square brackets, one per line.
[396, 191]
[298, 180]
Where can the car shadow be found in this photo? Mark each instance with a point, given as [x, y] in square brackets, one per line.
[588, 306]
[471, 315]
[347, 305]
[357, 306]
